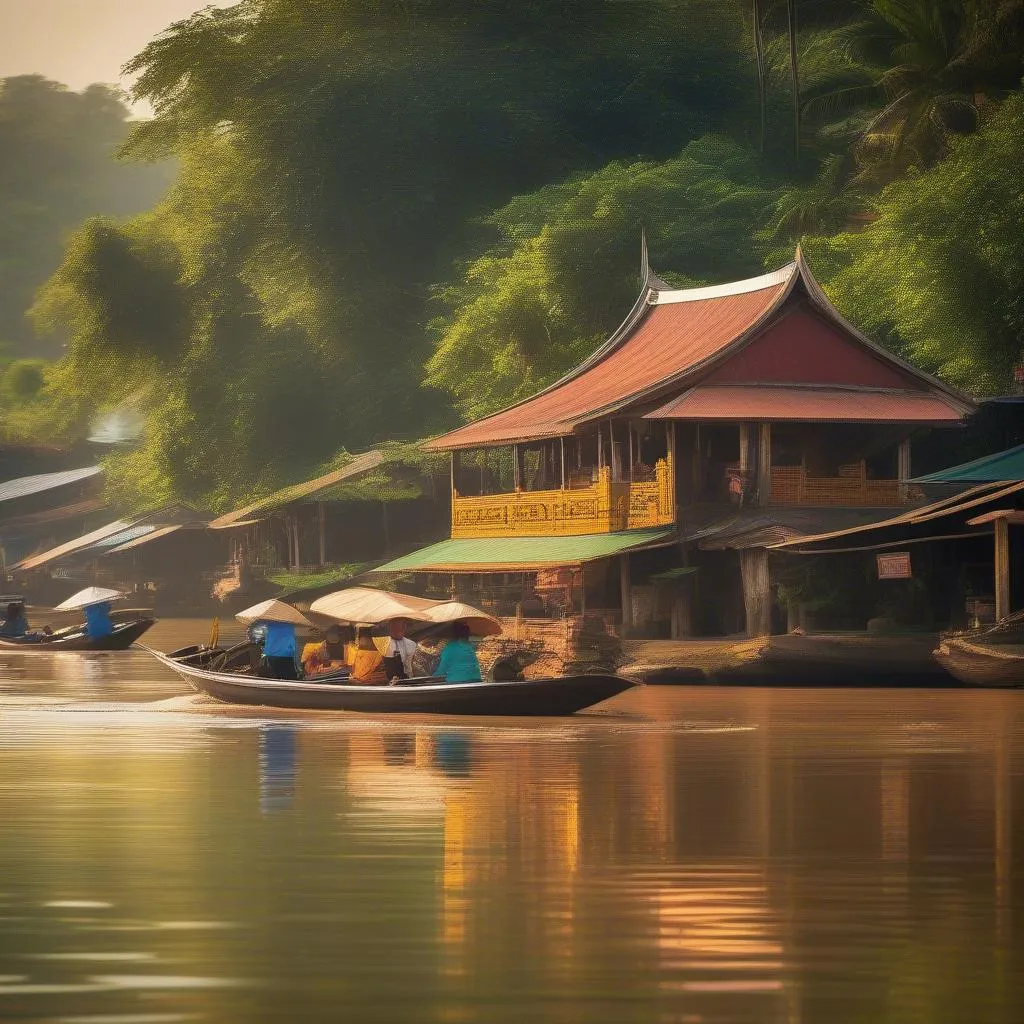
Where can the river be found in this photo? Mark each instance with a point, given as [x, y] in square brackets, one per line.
[680, 855]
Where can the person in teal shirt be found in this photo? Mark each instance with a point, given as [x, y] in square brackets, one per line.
[458, 662]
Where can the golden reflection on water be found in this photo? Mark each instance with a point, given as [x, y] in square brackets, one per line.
[685, 854]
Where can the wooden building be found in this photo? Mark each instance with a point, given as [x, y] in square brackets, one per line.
[714, 422]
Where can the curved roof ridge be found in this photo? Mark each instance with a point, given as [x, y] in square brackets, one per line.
[820, 299]
[717, 291]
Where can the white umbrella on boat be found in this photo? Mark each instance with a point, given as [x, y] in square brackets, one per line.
[273, 611]
[479, 622]
[87, 597]
[366, 606]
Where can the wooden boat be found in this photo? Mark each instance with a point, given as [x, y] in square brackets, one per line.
[74, 638]
[427, 695]
[982, 664]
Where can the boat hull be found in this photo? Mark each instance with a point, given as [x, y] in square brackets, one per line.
[124, 635]
[534, 697]
[991, 665]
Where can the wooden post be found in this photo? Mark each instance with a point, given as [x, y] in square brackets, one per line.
[516, 475]
[611, 452]
[744, 448]
[625, 594]
[561, 441]
[629, 427]
[764, 463]
[756, 591]
[903, 467]
[323, 533]
[1002, 560]
[583, 589]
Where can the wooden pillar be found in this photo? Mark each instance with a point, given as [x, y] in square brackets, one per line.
[756, 591]
[1002, 560]
[517, 476]
[764, 463]
[626, 596]
[903, 467]
[323, 532]
[629, 428]
[744, 447]
[561, 442]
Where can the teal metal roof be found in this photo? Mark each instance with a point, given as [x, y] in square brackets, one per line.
[1007, 465]
[512, 554]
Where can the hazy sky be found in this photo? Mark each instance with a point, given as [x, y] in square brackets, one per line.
[81, 41]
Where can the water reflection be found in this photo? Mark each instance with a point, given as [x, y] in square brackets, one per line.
[277, 767]
[734, 855]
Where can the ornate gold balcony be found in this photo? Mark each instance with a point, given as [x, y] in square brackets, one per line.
[603, 507]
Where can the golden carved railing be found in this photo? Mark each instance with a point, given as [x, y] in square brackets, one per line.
[603, 507]
[792, 486]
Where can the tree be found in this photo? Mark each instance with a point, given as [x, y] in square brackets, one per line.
[565, 271]
[57, 167]
[939, 274]
[334, 156]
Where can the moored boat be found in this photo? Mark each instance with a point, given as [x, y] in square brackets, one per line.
[534, 697]
[982, 664]
[75, 638]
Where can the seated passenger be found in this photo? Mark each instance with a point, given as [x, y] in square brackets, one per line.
[368, 663]
[98, 622]
[15, 623]
[458, 662]
[327, 656]
[278, 661]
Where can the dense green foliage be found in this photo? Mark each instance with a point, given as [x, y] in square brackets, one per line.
[388, 214]
[56, 168]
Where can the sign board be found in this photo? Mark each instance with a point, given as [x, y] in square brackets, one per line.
[894, 566]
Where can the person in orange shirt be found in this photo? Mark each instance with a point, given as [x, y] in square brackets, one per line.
[368, 663]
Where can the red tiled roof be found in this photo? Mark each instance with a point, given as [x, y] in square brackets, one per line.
[816, 405]
[676, 332]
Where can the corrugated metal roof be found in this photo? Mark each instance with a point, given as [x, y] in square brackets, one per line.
[497, 554]
[137, 542]
[869, 535]
[360, 464]
[122, 536]
[23, 486]
[1006, 465]
[807, 404]
[35, 561]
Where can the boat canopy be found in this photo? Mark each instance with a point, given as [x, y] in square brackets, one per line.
[273, 611]
[87, 597]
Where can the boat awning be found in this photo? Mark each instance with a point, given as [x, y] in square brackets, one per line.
[124, 543]
[808, 404]
[519, 554]
[1006, 465]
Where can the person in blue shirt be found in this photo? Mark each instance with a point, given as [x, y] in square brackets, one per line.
[15, 623]
[458, 662]
[98, 622]
[279, 648]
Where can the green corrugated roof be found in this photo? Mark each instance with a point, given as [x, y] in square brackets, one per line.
[497, 554]
[1007, 465]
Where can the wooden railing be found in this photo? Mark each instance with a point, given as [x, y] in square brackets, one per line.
[792, 486]
[603, 507]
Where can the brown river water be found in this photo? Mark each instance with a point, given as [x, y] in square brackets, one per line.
[679, 854]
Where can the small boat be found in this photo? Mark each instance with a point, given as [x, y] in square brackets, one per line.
[982, 664]
[74, 638]
[427, 695]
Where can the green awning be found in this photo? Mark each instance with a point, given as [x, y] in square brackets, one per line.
[1007, 465]
[515, 554]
